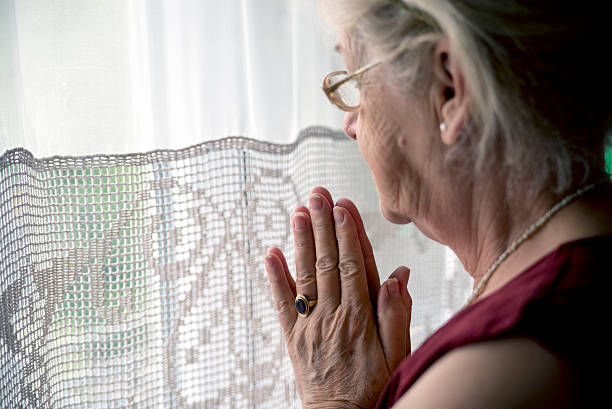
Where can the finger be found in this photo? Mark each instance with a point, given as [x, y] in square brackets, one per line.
[306, 280]
[284, 302]
[366, 250]
[353, 280]
[325, 193]
[326, 250]
[392, 321]
[281, 256]
[402, 274]
[299, 209]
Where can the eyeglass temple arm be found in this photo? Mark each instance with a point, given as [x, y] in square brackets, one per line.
[350, 76]
[365, 68]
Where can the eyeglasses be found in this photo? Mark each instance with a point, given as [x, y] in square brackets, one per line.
[342, 88]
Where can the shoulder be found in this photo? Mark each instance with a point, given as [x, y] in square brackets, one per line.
[505, 373]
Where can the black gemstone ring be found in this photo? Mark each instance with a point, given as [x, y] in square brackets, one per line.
[303, 305]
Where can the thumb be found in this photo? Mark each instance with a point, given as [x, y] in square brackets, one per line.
[392, 322]
[403, 274]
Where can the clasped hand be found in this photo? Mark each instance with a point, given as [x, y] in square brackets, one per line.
[344, 352]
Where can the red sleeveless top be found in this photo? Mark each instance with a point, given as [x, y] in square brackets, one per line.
[561, 302]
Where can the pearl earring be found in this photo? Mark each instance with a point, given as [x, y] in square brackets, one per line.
[442, 127]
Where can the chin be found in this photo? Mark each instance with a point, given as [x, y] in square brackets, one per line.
[395, 217]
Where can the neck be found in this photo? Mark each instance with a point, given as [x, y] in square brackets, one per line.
[495, 228]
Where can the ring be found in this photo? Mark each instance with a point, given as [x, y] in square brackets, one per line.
[303, 305]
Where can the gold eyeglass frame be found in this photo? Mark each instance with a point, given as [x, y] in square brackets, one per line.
[330, 90]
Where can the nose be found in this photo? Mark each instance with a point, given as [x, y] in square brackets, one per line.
[350, 124]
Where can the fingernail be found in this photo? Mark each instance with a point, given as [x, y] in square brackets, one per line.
[299, 222]
[394, 288]
[338, 215]
[315, 203]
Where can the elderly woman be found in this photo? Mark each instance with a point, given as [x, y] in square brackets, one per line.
[483, 122]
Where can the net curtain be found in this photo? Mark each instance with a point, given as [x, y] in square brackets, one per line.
[88, 84]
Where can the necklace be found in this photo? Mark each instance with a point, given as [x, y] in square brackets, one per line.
[528, 233]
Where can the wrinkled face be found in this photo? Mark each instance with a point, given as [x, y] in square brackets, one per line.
[393, 136]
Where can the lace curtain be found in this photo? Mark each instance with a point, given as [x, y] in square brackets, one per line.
[137, 280]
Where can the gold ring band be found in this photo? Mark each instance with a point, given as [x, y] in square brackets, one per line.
[303, 305]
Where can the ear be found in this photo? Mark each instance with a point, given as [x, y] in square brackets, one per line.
[450, 98]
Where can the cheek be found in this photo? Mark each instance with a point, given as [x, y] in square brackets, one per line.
[383, 145]
[378, 144]
[381, 153]
[386, 170]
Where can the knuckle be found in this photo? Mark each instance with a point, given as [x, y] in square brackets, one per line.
[320, 224]
[349, 267]
[352, 321]
[305, 279]
[356, 323]
[359, 310]
[326, 264]
[282, 306]
[326, 303]
[302, 244]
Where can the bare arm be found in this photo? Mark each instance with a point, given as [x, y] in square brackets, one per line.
[509, 373]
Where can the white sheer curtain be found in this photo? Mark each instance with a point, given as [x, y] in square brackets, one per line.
[89, 76]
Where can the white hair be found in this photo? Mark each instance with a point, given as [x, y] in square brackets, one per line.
[530, 69]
